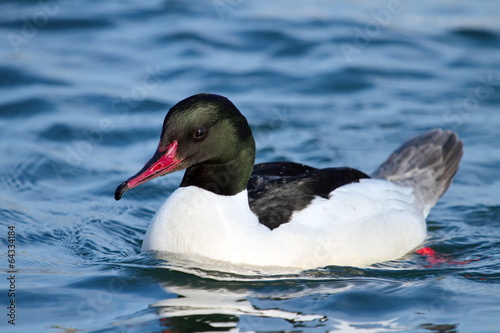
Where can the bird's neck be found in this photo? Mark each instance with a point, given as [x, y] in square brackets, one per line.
[228, 178]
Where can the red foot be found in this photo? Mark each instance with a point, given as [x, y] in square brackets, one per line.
[434, 258]
[426, 251]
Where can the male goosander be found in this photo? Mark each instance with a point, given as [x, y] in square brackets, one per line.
[286, 214]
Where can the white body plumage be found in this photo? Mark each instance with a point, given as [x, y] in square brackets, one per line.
[362, 223]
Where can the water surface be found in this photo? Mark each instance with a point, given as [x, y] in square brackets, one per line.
[84, 89]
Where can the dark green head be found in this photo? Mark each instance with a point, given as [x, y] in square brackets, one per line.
[207, 135]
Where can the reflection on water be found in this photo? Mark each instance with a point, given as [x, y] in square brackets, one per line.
[231, 303]
[224, 309]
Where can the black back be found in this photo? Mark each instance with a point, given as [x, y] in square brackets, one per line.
[276, 190]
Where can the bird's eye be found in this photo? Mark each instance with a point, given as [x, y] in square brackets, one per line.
[200, 133]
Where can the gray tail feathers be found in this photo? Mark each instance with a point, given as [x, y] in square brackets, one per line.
[427, 163]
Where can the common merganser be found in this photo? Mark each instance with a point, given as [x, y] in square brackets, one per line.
[282, 213]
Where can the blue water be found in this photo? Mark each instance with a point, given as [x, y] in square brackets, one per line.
[84, 87]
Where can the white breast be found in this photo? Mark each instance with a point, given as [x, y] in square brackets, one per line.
[362, 223]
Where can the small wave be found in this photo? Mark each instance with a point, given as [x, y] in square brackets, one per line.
[11, 76]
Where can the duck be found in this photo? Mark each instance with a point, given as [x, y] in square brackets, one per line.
[286, 214]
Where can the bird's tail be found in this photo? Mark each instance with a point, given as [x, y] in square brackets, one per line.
[427, 163]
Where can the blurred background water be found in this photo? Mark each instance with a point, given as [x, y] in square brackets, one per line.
[84, 88]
